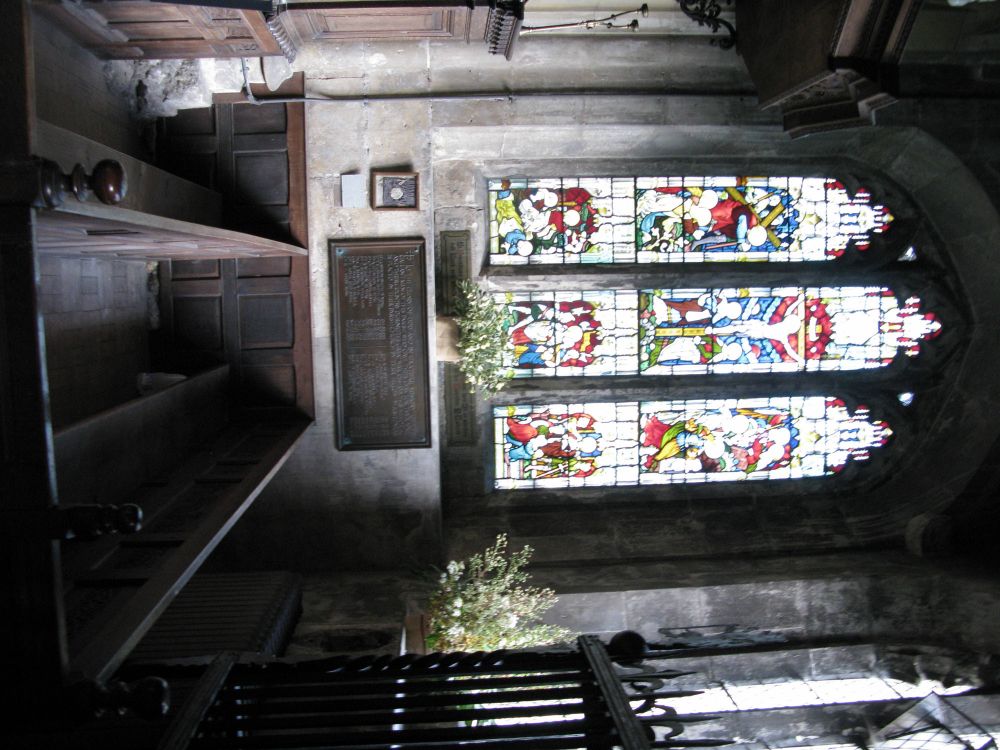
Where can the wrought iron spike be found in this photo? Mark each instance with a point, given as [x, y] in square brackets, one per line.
[280, 34]
[665, 674]
[678, 718]
[668, 694]
[706, 13]
[692, 743]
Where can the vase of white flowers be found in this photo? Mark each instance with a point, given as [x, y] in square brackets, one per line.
[484, 604]
[482, 345]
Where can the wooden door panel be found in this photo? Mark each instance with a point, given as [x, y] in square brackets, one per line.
[266, 321]
[260, 119]
[443, 20]
[258, 154]
[143, 29]
[198, 269]
[255, 175]
[198, 323]
[378, 23]
[248, 267]
[352, 24]
[269, 384]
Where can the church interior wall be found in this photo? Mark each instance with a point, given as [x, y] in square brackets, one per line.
[619, 561]
[885, 596]
[391, 499]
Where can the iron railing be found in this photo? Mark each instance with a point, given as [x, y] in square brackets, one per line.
[578, 698]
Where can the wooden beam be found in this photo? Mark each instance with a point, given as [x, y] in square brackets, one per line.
[126, 233]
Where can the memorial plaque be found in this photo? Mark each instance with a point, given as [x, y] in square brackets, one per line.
[380, 344]
[460, 409]
[453, 266]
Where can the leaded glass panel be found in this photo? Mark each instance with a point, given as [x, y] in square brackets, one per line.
[699, 331]
[671, 442]
[677, 219]
[772, 438]
[776, 329]
[562, 220]
[566, 445]
[571, 333]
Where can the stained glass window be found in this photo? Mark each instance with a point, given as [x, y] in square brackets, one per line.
[567, 445]
[572, 333]
[672, 442]
[677, 219]
[783, 329]
[562, 220]
[681, 330]
[698, 331]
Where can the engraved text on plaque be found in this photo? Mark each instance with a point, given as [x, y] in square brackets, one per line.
[380, 344]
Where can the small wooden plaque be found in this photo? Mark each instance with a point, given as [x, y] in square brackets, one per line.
[381, 363]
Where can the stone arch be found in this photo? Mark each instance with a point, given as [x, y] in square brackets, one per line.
[939, 457]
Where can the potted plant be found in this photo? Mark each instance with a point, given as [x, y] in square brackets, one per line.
[484, 604]
[483, 344]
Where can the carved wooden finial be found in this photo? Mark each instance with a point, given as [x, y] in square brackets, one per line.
[108, 182]
[147, 698]
[92, 521]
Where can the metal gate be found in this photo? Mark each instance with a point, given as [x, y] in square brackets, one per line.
[577, 698]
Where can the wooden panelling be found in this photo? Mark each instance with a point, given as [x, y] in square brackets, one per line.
[197, 269]
[251, 321]
[198, 322]
[266, 321]
[385, 23]
[120, 596]
[144, 29]
[241, 151]
[269, 384]
[248, 267]
[443, 20]
[105, 458]
[258, 164]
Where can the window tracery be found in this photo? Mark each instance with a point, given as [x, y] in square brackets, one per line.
[738, 327]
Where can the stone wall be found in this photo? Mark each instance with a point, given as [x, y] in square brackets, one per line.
[328, 510]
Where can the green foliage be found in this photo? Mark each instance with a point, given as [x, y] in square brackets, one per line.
[482, 604]
[482, 341]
